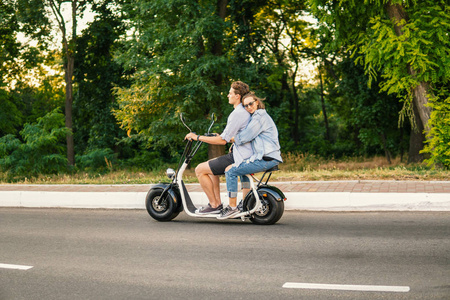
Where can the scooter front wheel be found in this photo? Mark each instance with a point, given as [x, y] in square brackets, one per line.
[160, 209]
[270, 212]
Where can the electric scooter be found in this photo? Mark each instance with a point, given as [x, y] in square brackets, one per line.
[263, 205]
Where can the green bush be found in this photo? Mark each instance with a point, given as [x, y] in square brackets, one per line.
[41, 152]
[99, 160]
[438, 143]
[147, 160]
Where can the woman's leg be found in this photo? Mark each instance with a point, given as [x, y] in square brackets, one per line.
[245, 185]
[232, 187]
[232, 173]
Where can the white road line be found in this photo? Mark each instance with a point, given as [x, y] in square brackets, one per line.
[344, 287]
[15, 267]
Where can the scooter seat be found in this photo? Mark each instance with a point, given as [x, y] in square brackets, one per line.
[275, 168]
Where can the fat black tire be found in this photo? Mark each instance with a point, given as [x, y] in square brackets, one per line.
[269, 214]
[166, 209]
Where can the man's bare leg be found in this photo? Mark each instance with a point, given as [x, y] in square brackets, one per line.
[245, 192]
[216, 187]
[209, 183]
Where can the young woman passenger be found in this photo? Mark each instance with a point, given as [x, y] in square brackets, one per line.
[262, 133]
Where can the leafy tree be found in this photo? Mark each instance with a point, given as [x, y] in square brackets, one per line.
[23, 100]
[9, 46]
[438, 145]
[367, 114]
[179, 55]
[357, 119]
[95, 75]
[37, 16]
[285, 37]
[39, 89]
[178, 68]
[395, 38]
[10, 117]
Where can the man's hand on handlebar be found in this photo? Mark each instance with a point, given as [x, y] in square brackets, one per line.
[191, 136]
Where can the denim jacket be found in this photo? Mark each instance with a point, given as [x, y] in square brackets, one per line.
[262, 132]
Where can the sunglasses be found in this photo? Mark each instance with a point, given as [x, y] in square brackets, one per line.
[249, 104]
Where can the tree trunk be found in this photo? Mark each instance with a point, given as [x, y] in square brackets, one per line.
[386, 150]
[215, 151]
[222, 8]
[402, 150]
[416, 139]
[68, 108]
[69, 67]
[68, 51]
[296, 109]
[420, 100]
[420, 93]
[324, 111]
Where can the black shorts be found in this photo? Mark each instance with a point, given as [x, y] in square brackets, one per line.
[219, 164]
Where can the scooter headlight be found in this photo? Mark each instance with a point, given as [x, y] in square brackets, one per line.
[170, 173]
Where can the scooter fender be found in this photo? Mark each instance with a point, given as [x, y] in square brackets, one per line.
[272, 190]
[174, 192]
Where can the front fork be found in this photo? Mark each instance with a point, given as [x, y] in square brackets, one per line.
[166, 190]
[173, 190]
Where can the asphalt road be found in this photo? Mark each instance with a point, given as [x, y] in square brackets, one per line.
[124, 254]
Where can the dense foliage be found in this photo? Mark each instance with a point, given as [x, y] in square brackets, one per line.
[341, 78]
[407, 46]
[438, 145]
[95, 76]
[42, 150]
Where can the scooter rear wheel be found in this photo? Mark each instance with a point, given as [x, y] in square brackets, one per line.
[271, 211]
[162, 210]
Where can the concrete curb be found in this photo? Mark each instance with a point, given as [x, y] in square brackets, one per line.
[318, 201]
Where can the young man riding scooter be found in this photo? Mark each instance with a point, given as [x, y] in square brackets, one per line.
[208, 172]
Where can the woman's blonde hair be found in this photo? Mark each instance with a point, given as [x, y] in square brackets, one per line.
[259, 101]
